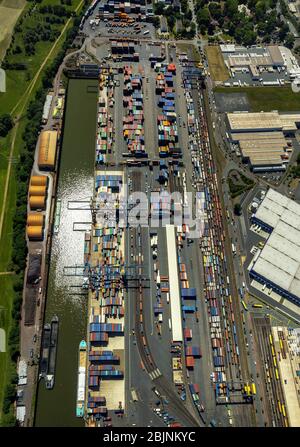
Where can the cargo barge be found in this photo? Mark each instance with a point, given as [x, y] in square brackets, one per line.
[81, 379]
[45, 350]
[48, 359]
[52, 353]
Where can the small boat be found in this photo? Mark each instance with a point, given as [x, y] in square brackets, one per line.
[81, 379]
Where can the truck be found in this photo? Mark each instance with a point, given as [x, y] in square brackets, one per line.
[156, 391]
[233, 249]
[213, 423]
[134, 395]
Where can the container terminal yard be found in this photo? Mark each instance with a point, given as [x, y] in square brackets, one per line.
[167, 336]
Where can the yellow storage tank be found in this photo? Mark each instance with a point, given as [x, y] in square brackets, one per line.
[35, 233]
[37, 202]
[37, 190]
[47, 149]
[39, 180]
[35, 219]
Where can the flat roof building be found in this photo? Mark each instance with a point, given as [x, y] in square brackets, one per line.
[47, 149]
[261, 137]
[278, 264]
[175, 299]
[269, 65]
[262, 121]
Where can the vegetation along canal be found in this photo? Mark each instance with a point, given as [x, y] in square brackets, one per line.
[57, 407]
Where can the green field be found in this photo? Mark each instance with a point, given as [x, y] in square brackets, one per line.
[21, 89]
[185, 47]
[217, 67]
[10, 10]
[17, 80]
[266, 99]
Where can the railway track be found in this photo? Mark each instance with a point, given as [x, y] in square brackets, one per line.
[220, 288]
[218, 231]
[177, 407]
[273, 385]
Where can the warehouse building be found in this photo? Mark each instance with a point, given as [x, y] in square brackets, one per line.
[262, 138]
[270, 65]
[47, 150]
[240, 122]
[278, 264]
[177, 335]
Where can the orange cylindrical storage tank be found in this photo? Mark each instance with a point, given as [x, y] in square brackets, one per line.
[47, 149]
[37, 202]
[37, 190]
[35, 233]
[39, 180]
[34, 219]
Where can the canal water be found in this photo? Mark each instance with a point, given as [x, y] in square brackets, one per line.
[57, 407]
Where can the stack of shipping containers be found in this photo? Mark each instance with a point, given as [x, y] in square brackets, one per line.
[166, 122]
[107, 289]
[133, 122]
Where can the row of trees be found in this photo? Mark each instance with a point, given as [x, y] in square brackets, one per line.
[295, 170]
[19, 246]
[254, 20]
[6, 124]
[40, 30]
[57, 10]
[175, 15]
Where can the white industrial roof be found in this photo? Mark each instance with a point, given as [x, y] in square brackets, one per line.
[262, 121]
[279, 260]
[22, 368]
[21, 412]
[174, 285]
